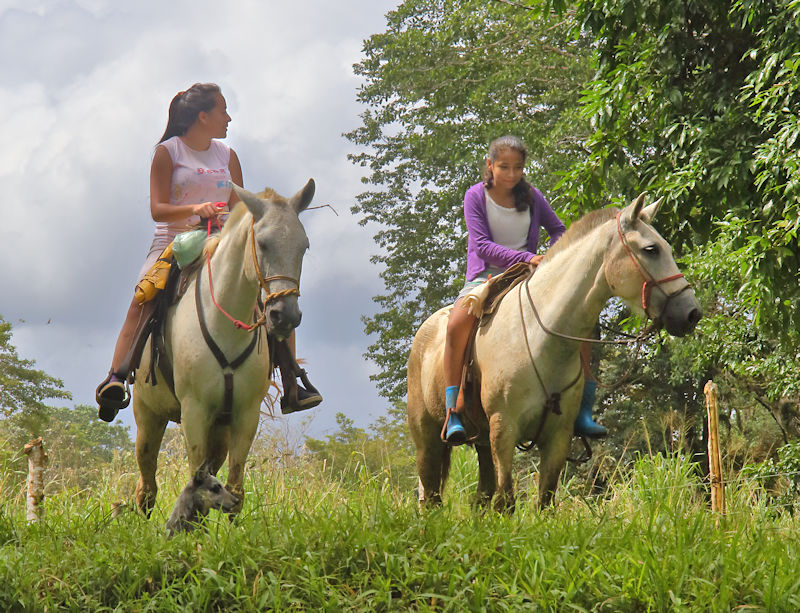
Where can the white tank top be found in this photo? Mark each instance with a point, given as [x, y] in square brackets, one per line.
[197, 176]
[509, 227]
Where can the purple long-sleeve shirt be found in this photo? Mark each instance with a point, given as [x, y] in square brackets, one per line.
[483, 252]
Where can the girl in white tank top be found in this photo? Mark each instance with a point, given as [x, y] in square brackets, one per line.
[197, 176]
[191, 171]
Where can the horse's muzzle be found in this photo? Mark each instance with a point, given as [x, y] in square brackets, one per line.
[681, 313]
[283, 316]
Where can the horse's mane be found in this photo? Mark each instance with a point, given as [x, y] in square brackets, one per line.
[581, 228]
[238, 215]
[240, 210]
[235, 217]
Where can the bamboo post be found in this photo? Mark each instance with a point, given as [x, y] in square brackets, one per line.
[37, 460]
[714, 457]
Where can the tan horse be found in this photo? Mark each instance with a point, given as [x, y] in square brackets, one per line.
[221, 372]
[606, 253]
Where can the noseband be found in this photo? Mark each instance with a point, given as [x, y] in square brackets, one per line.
[648, 281]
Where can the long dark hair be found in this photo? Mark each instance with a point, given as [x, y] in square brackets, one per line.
[523, 196]
[187, 105]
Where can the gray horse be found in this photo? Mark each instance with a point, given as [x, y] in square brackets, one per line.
[606, 253]
[220, 371]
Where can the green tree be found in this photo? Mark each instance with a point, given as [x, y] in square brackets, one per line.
[698, 101]
[386, 449]
[79, 446]
[23, 389]
[443, 80]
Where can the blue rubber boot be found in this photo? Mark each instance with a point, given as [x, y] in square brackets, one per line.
[584, 424]
[455, 434]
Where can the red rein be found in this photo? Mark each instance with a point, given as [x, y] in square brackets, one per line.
[239, 324]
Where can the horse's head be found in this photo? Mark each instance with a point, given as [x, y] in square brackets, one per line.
[640, 269]
[279, 241]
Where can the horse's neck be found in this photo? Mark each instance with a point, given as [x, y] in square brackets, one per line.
[570, 291]
[233, 291]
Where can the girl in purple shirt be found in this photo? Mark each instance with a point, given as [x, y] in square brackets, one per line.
[503, 200]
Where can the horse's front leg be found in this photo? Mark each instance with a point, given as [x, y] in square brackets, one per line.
[502, 438]
[554, 447]
[242, 432]
[487, 482]
[149, 434]
[553, 458]
[197, 421]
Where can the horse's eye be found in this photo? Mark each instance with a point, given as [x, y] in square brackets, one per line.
[651, 250]
[216, 489]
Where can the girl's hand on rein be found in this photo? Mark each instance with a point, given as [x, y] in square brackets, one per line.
[209, 209]
[536, 259]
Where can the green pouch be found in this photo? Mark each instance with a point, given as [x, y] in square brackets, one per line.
[188, 246]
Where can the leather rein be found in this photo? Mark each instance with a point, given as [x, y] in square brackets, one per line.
[553, 402]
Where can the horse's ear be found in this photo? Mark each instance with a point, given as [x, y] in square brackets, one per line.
[251, 201]
[637, 206]
[302, 199]
[631, 212]
[650, 211]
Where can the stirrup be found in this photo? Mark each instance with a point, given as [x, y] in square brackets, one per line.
[454, 432]
[308, 401]
[111, 397]
[303, 398]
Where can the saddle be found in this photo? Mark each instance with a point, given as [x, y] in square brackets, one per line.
[152, 325]
[482, 303]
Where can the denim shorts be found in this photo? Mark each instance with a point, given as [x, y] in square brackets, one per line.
[481, 278]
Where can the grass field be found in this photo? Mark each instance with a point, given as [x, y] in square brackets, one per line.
[311, 539]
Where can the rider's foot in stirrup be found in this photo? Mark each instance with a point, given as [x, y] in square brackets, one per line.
[111, 396]
[306, 399]
[455, 434]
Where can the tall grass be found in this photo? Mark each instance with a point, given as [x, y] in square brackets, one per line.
[309, 539]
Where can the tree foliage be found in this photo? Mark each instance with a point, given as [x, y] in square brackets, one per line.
[698, 101]
[79, 446]
[440, 83]
[353, 452]
[23, 389]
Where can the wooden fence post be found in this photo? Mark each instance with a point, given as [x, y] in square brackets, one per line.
[714, 457]
[37, 459]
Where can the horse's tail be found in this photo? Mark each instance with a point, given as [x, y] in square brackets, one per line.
[446, 451]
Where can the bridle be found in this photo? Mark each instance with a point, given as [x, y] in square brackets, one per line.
[648, 280]
[263, 282]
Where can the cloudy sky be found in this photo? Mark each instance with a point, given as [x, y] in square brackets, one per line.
[84, 91]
